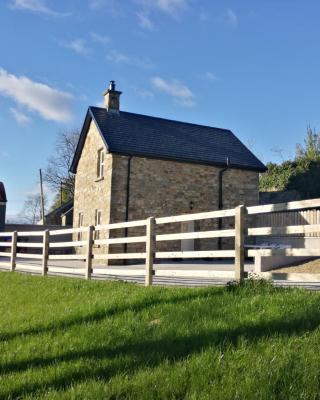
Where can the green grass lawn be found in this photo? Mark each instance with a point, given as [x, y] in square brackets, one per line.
[71, 339]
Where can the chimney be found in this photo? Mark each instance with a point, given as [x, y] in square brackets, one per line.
[3, 203]
[112, 98]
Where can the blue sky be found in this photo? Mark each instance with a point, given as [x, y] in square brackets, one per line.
[250, 66]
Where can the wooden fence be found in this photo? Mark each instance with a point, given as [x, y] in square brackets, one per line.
[13, 247]
[285, 218]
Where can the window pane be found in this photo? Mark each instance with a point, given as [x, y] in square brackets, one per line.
[98, 164]
[99, 217]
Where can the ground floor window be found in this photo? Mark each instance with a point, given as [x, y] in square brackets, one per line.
[97, 221]
[80, 224]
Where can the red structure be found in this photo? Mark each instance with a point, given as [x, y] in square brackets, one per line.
[3, 204]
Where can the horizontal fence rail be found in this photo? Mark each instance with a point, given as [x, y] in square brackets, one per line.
[290, 218]
[196, 254]
[196, 217]
[283, 230]
[298, 252]
[37, 233]
[293, 205]
[67, 231]
[134, 239]
[83, 245]
[196, 235]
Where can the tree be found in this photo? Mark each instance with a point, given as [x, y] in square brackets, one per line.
[310, 150]
[301, 174]
[57, 174]
[277, 177]
[60, 198]
[31, 212]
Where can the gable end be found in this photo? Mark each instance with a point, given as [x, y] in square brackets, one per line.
[83, 135]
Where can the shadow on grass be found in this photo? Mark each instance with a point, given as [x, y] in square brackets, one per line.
[151, 353]
[100, 315]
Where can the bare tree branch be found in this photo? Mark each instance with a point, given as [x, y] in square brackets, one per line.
[58, 169]
[31, 212]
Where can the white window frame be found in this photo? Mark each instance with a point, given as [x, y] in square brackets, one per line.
[97, 221]
[100, 164]
[80, 224]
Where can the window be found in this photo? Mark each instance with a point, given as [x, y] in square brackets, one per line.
[80, 224]
[100, 164]
[97, 221]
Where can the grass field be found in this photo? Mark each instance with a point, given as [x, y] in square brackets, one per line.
[70, 339]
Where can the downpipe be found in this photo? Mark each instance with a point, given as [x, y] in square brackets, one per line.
[220, 199]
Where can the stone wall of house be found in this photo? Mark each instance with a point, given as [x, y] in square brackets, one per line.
[239, 187]
[161, 188]
[91, 193]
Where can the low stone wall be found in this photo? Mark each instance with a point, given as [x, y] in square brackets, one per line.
[263, 264]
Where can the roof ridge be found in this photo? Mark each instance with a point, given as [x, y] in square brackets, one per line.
[167, 119]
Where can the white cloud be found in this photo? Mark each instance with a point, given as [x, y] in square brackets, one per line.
[118, 57]
[77, 45]
[180, 92]
[171, 7]
[96, 4]
[111, 6]
[231, 18]
[37, 6]
[102, 39]
[19, 116]
[144, 21]
[210, 76]
[50, 103]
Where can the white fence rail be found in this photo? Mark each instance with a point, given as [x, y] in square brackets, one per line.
[290, 218]
[43, 245]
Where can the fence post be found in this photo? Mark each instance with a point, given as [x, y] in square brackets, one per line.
[89, 252]
[150, 250]
[239, 242]
[45, 252]
[13, 250]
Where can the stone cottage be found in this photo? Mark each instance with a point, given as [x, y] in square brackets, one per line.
[131, 166]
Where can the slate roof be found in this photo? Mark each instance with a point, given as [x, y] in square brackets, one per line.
[140, 135]
[65, 207]
[3, 197]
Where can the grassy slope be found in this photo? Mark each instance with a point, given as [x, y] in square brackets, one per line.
[71, 339]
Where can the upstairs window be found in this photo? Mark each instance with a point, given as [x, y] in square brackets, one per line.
[100, 164]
